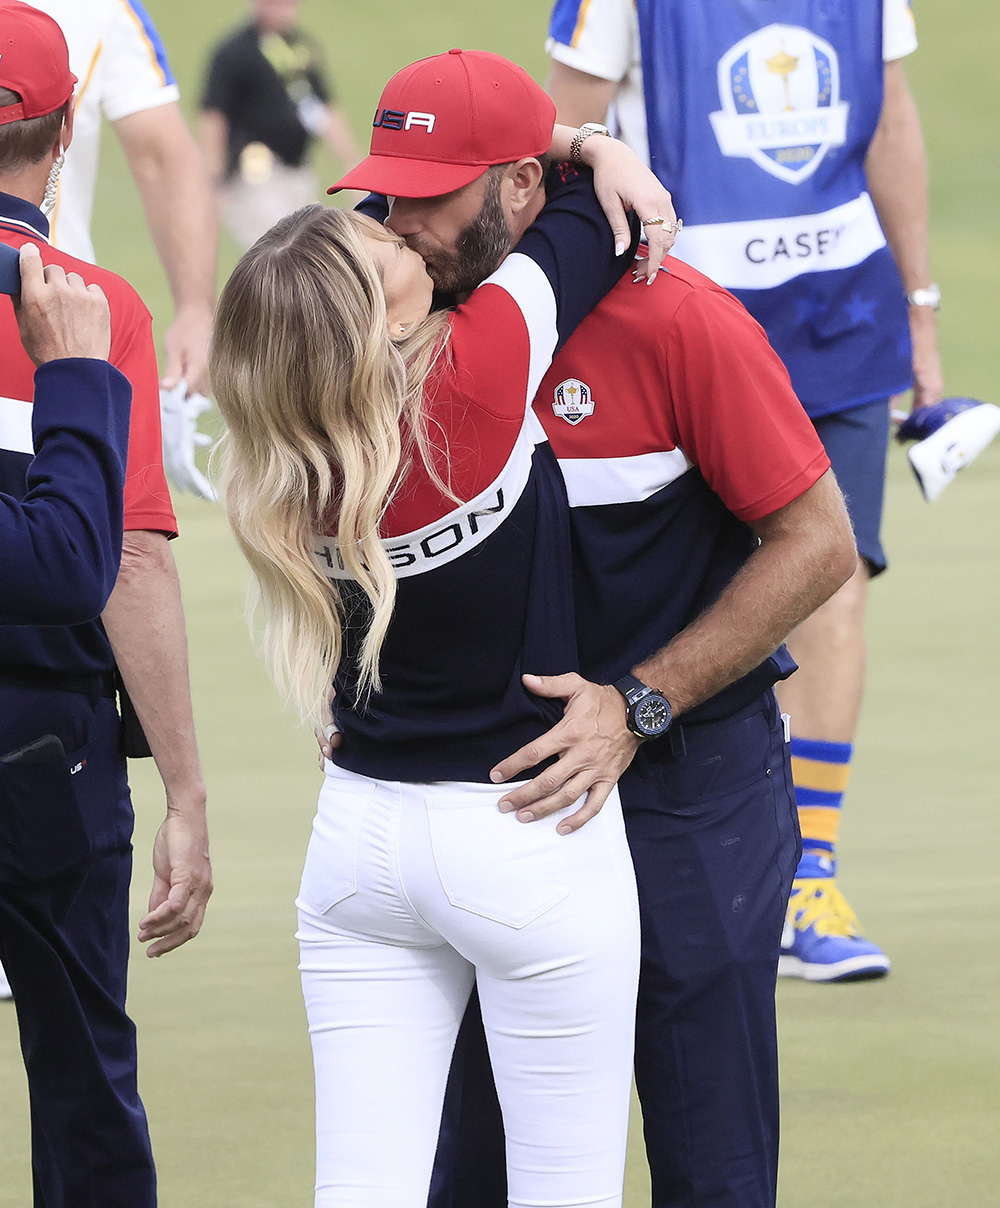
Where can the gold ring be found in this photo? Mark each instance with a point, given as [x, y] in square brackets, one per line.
[671, 228]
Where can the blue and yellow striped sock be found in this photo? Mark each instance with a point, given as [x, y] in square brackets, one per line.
[820, 771]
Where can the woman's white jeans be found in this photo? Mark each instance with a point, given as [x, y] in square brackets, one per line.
[411, 893]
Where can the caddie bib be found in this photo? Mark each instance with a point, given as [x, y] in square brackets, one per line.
[760, 115]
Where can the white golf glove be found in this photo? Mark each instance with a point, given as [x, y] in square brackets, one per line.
[179, 420]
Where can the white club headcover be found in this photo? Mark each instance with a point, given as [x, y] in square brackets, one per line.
[179, 420]
[955, 444]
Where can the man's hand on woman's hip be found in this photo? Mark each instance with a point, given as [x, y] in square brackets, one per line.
[593, 746]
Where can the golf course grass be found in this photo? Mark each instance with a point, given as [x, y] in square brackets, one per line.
[892, 1088]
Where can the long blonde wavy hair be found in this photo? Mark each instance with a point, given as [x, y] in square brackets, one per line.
[323, 413]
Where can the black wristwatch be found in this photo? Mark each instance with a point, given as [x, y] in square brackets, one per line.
[648, 710]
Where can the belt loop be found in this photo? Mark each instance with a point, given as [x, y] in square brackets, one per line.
[678, 746]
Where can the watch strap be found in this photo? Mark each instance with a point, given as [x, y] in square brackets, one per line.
[631, 688]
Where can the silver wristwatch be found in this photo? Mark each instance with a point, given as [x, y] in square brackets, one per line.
[930, 296]
[581, 136]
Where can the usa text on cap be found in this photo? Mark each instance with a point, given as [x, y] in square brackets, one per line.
[441, 122]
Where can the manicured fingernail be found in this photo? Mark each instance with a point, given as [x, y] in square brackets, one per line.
[495, 776]
[619, 247]
[650, 280]
[563, 829]
[506, 807]
[526, 816]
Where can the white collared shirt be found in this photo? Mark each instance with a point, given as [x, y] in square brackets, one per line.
[122, 68]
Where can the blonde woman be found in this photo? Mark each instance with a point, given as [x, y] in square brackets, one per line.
[407, 528]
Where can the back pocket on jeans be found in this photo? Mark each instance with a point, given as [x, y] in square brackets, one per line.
[494, 866]
[330, 874]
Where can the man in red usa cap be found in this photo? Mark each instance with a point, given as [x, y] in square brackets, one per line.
[450, 127]
[65, 813]
[706, 525]
[446, 127]
[443, 121]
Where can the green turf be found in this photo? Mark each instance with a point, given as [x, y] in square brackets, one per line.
[891, 1089]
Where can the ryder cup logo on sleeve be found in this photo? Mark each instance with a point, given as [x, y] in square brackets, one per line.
[573, 401]
[781, 106]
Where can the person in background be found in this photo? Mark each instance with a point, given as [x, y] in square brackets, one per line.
[65, 848]
[124, 76]
[266, 99]
[822, 235]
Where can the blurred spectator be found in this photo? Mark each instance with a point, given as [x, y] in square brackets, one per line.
[120, 61]
[265, 100]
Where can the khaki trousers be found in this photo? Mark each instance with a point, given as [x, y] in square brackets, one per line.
[251, 208]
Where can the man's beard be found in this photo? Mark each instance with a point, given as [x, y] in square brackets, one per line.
[481, 247]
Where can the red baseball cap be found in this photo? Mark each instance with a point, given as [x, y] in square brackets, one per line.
[34, 62]
[443, 121]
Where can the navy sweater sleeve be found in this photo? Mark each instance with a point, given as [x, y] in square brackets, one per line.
[375, 205]
[572, 243]
[60, 546]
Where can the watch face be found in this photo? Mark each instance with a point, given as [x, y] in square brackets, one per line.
[652, 716]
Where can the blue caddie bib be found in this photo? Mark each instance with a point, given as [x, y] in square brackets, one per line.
[760, 115]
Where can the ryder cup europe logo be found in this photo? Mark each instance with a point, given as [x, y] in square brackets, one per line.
[573, 401]
[781, 106]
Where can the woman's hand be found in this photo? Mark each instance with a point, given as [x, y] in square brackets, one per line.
[328, 737]
[623, 182]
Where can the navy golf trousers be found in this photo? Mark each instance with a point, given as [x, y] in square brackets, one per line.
[713, 831]
[65, 864]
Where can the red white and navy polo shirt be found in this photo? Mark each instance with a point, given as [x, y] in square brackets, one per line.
[675, 425]
[78, 649]
[485, 587]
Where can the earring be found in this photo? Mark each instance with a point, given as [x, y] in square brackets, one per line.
[52, 185]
